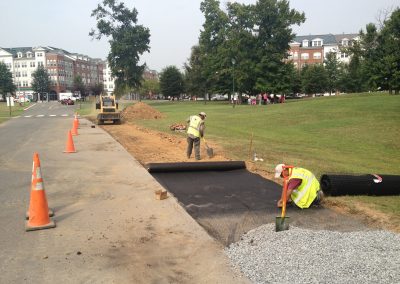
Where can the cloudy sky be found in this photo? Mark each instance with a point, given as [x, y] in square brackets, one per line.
[174, 24]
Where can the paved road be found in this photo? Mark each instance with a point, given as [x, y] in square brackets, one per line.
[110, 228]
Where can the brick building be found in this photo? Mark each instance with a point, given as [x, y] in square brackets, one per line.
[313, 49]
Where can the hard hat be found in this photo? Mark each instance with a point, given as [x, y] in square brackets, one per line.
[203, 113]
[279, 170]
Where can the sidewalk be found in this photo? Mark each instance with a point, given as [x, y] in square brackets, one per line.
[110, 228]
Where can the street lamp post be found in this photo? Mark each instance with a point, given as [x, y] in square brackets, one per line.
[233, 81]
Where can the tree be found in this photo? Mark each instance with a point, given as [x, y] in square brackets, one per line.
[195, 81]
[41, 81]
[79, 86]
[314, 79]
[128, 41]
[255, 37]
[390, 44]
[332, 71]
[171, 82]
[149, 87]
[6, 81]
[97, 89]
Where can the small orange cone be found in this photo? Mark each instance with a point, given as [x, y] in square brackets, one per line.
[70, 148]
[38, 209]
[74, 130]
[76, 120]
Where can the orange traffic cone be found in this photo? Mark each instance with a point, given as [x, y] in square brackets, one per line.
[38, 209]
[76, 120]
[74, 130]
[70, 148]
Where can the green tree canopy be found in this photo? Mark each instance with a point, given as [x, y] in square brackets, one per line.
[6, 81]
[149, 87]
[171, 82]
[41, 81]
[314, 79]
[128, 41]
[79, 86]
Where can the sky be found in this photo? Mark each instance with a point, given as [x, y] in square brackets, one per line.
[174, 24]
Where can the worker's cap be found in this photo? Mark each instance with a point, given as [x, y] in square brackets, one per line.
[279, 170]
[203, 114]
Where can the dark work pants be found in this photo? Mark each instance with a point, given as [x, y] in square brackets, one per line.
[196, 143]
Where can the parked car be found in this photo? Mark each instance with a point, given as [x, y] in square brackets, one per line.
[67, 102]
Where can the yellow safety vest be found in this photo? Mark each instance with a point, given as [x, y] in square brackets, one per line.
[194, 125]
[305, 194]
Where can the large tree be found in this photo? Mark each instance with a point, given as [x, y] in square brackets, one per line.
[171, 82]
[6, 81]
[128, 41]
[41, 82]
[246, 45]
[390, 38]
[314, 79]
[149, 88]
[332, 71]
[79, 86]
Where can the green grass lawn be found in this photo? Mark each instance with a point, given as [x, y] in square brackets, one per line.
[344, 134]
[349, 134]
[15, 110]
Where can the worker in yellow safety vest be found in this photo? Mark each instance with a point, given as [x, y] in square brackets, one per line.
[303, 188]
[195, 131]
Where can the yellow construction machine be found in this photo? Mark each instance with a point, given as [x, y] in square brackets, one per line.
[108, 107]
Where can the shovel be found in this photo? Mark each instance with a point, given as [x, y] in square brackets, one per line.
[282, 222]
[210, 151]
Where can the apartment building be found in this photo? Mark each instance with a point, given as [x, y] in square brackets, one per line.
[62, 66]
[313, 49]
[108, 79]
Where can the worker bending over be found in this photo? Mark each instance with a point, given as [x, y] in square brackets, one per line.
[195, 131]
[303, 188]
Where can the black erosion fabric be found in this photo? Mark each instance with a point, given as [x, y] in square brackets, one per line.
[231, 202]
[193, 166]
[337, 185]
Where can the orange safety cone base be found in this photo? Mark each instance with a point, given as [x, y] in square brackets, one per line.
[51, 224]
[51, 213]
[70, 148]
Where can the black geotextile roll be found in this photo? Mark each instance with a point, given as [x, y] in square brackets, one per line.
[195, 166]
[369, 184]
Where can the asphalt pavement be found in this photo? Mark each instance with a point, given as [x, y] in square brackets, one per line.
[110, 228]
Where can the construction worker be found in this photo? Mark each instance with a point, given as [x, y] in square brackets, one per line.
[303, 188]
[195, 131]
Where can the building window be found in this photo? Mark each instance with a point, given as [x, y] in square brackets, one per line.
[32, 64]
[317, 55]
[24, 74]
[19, 54]
[345, 42]
[304, 56]
[16, 65]
[39, 54]
[8, 65]
[23, 64]
[29, 54]
[305, 43]
[317, 43]
[25, 83]
[17, 74]
[343, 55]
[40, 63]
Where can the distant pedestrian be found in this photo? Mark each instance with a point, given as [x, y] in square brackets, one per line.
[195, 132]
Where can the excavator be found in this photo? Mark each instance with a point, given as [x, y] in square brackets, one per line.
[108, 107]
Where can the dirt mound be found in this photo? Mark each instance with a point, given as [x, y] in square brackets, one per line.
[140, 111]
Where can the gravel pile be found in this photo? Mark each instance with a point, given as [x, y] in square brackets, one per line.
[306, 256]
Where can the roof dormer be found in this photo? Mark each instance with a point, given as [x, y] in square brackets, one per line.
[305, 43]
[19, 54]
[317, 42]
